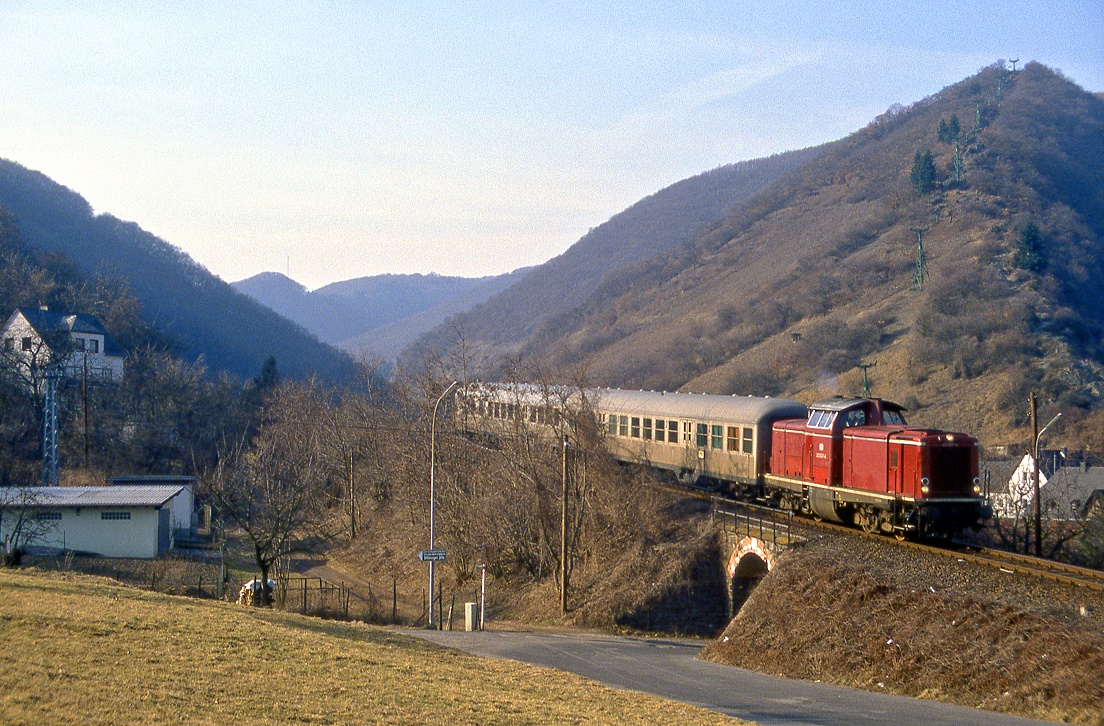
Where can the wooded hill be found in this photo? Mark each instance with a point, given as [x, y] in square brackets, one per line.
[817, 271]
[186, 304]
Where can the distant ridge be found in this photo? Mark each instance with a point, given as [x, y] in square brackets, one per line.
[378, 315]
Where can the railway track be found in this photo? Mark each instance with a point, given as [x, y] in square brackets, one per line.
[1005, 561]
[1010, 562]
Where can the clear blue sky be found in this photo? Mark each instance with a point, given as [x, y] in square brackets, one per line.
[461, 138]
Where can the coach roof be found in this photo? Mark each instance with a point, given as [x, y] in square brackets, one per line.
[705, 407]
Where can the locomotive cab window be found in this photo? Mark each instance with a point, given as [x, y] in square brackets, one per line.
[854, 417]
[821, 419]
[893, 418]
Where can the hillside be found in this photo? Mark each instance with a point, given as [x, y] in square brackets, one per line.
[653, 226]
[200, 313]
[817, 272]
[80, 650]
[378, 315]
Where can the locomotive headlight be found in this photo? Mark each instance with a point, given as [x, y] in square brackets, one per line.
[977, 485]
[925, 485]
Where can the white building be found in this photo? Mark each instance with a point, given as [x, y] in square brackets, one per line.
[110, 521]
[33, 340]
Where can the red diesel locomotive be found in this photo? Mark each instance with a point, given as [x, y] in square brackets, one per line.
[855, 460]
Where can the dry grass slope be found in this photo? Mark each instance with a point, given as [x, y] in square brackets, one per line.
[81, 650]
[924, 629]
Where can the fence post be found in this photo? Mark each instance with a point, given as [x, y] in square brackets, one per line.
[394, 597]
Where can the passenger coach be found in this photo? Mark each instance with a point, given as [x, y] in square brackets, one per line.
[696, 436]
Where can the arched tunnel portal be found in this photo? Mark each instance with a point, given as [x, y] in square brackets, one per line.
[749, 563]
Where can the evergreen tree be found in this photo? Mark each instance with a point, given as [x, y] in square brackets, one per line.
[923, 172]
[1029, 249]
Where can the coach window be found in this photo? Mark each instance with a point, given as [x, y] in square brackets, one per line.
[717, 437]
[612, 424]
[702, 435]
[672, 432]
[733, 438]
[624, 428]
[748, 440]
[636, 427]
[647, 429]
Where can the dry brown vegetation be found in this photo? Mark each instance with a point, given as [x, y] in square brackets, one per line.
[80, 650]
[869, 616]
[636, 557]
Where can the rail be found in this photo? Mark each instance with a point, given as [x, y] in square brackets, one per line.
[753, 520]
[1009, 562]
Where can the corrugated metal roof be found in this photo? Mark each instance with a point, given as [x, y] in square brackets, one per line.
[154, 495]
[699, 406]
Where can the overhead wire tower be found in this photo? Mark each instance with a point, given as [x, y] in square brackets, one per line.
[50, 430]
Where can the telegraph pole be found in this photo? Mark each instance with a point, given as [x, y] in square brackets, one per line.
[563, 534]
[1035, 474]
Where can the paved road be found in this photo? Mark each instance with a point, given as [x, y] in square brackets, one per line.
[669, 668]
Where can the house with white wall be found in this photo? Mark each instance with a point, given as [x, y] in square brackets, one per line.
[110, 521]
[35, 339]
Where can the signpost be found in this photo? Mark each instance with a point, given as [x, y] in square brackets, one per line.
[432, 555]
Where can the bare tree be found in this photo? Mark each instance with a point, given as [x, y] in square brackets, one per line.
[21, 521]
[275, 489]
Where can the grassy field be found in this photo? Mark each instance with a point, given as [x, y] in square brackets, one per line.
[78, 649]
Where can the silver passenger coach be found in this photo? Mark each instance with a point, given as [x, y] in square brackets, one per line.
[694, 435]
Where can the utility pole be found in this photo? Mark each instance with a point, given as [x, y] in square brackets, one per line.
[563, 535]
[84, 406]
[1035, 474]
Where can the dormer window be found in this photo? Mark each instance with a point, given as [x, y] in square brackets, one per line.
[78, 344]
[94, 345]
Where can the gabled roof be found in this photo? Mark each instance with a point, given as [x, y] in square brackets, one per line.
[46, 322]
[154, 495]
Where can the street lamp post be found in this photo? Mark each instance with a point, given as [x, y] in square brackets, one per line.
[432, 464]
[1035, 464]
